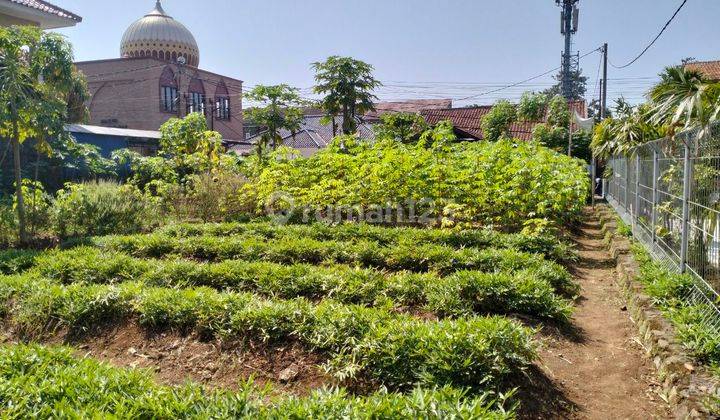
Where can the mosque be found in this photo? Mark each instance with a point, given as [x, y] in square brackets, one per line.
[157, 77]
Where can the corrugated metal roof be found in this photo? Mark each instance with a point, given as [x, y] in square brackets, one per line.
[314, 134]
[110, 131]
[48, 8]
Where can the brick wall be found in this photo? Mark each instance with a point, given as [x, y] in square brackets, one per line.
[126, 93]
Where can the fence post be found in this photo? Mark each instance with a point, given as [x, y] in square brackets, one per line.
[627, 183]
[656, 170]
[636, 207]
[685, 209]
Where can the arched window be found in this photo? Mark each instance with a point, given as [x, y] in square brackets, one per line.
[142, 53]
[168, 91]
[155, 54]
[196, 89]
[222, 102]
[174, 57]
[161, 55]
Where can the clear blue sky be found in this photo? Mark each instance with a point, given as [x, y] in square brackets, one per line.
[420, 48]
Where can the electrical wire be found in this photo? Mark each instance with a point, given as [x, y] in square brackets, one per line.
[524, 81]
[667, 25]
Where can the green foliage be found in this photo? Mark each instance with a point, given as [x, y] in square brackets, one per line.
[478, 353]
[483, 183]
[187, 148]
[400, 356]
[347, 85]
[555, 138]
[401, 257]
[403, 127]
[558, 114]
[15, 261]
[496, 124]
[531, 291]
[210, 197]
[278, 109]
[67, 386]
[542, 242]
[532, 107]
[99, 208]
[669, 291]
[36, 74]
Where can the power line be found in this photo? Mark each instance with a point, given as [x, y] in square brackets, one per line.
[654, 40]
[524, 81]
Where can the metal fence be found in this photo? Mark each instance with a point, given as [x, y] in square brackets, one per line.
[669, 192]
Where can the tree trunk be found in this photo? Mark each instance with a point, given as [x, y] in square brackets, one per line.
[18, 183]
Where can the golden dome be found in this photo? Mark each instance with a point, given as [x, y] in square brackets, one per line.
[160, 36]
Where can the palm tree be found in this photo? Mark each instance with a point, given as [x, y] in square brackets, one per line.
[685, 99]
[35, 74]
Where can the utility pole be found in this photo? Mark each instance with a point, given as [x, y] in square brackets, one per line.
[603, 100]
[569, 16]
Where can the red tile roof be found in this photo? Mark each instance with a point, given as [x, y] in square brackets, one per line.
[468, 121]
[48, 8]
[711, 69]
[410, 106]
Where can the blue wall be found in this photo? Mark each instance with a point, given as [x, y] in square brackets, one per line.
[106, 144]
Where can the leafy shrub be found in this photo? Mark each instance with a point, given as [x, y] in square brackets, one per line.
[100, 208]
[498, 184]
[210, 197]
[496, 123]
[67, 386]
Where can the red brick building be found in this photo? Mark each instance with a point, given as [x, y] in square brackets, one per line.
[158, 78]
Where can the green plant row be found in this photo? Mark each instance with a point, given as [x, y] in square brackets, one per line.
[41, 382]
[391, 350]
[403, 257]
[459, 294]
[546, 245]
[14, 261]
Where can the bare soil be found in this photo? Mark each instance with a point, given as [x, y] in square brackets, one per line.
[176, 359]
[595, 368]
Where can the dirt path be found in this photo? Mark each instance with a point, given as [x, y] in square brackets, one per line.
[598, 369]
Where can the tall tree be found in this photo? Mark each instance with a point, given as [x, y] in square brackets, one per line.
[35, 75]
[278, 109]
[348, 86]
[578, 86]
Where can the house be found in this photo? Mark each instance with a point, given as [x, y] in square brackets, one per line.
[709, 69]
[108, 139]
[412, 106]
[36, 13]
[468, 121]
[157, 77]
[312, 136]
